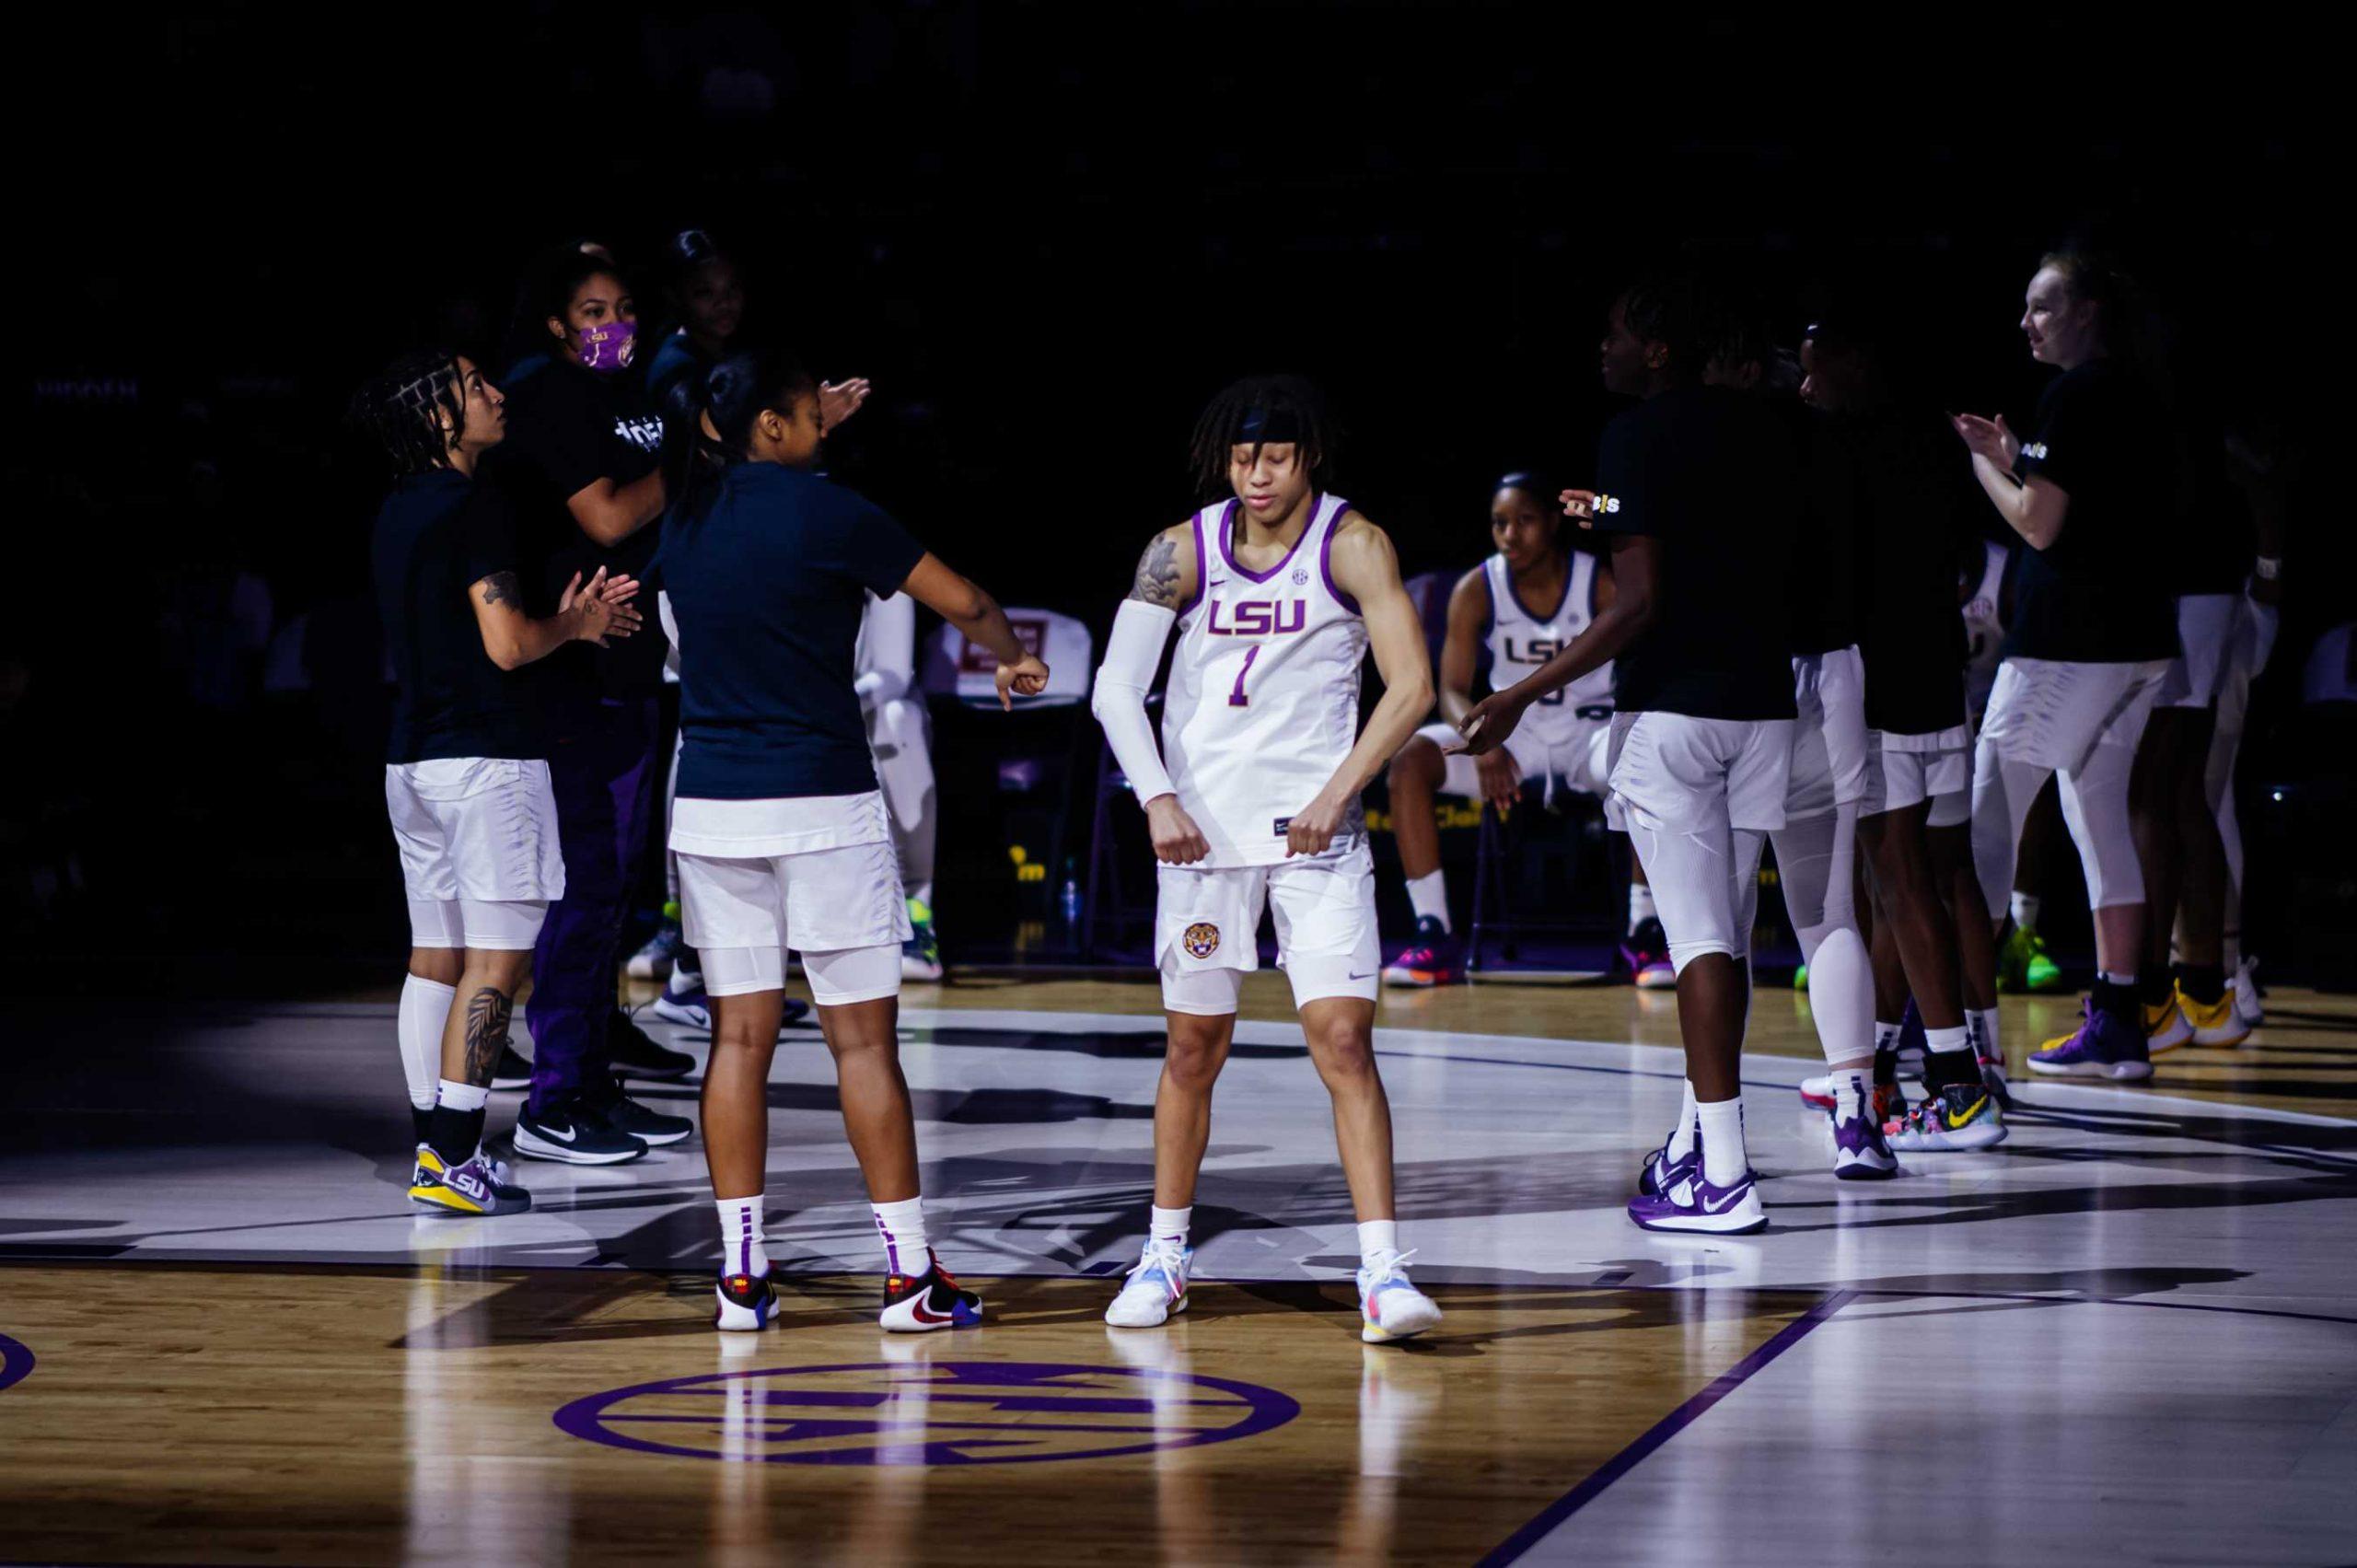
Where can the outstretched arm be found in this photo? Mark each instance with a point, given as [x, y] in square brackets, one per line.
[610, 513]
[962, 603]
[1367, 569]
[1469, 606]
[1636, 560]
[591, 614]
[1166, 579]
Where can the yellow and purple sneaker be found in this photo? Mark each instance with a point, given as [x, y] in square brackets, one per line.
[2102, 1046]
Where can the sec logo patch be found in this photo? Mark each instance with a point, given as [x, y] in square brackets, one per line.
[1202, 939]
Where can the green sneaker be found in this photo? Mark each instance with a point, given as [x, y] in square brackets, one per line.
[1800, 978]
[921, 954]
[2022, 964]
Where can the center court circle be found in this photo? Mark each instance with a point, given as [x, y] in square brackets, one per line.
[940, 1412]
[15, 1361]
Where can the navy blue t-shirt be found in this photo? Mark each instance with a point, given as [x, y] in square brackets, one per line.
[767, 586]
[437, 536]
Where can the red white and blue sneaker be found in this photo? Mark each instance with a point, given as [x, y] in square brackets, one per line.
[747, 1302]
[1860, 1151]
[1433, 958]
[1155, 1291]
[1392, 1308]
[922, 1302]
[2102, 1046]
[1646, 952]
[1959, 1116]
[1694, 1204]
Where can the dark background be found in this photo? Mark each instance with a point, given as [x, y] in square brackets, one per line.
[1047, 233]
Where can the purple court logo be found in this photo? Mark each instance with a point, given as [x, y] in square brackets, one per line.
[941, 1412]
[15, 1362]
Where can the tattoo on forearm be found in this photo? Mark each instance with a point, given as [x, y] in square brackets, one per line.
[1157, 580]
[487, 1014]
[500, 587]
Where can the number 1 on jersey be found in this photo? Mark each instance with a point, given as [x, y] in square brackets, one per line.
[1236, 699]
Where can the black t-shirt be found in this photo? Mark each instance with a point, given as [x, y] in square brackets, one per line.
[766, 583]
[1712, 474]
[568, 428]
[1823, 577]
[2099, 593]
[437, 536]
[1917, 511]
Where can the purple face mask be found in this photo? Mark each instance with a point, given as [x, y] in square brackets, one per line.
[606, 348]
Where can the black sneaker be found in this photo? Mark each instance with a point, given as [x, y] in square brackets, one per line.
[646, 1124]
[511, 1070]
[573, 1133]
[633, 1054]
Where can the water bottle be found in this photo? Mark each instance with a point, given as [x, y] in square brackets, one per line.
[1071, 901]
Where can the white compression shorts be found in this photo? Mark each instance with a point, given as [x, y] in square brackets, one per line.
[1581, 761]
[481, 861]
[840, 908]
[1698, 798]
[1207, 927]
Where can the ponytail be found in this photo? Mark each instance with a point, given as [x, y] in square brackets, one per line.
[730, 393]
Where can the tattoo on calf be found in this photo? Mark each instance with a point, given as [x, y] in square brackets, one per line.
[1157, 581]
[487, 1014]
[500, 587]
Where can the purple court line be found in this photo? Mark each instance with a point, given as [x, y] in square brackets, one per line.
[15, 1361]
[1662, 1431]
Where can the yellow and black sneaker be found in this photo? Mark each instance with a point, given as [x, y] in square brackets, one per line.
[1959, 1117]
[2212, 1023]
[2165, 1028]
[474, 1188]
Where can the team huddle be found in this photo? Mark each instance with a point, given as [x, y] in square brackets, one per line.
[1759, 640]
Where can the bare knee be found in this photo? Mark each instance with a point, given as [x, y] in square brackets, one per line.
[502, 971]
[442, 966]
[1418, 766]
[1197, 1051]
[1343, 1048]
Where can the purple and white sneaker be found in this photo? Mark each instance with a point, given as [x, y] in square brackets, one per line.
[1861, 1152]
[2101, 1047]
[1694, 1204]
[1660, 1172]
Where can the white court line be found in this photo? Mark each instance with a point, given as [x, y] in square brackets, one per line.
[1659, 1061]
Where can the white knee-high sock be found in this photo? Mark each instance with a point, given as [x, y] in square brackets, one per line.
[1841, 994]
[425, 1012]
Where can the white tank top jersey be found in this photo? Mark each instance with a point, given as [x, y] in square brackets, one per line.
[1263, 701]
[1984, 628]
[1521, 640]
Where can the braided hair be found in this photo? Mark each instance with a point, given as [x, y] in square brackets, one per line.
[1673, 309]
[1262, 409]
[400, 409]
[730, 393]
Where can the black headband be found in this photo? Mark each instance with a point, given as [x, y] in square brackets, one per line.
[1261, 425]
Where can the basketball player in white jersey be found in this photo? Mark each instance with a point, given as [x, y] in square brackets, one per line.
[1278, 592]
[900, 732]
[1562, 742]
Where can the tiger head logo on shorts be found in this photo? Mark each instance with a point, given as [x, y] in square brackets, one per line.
[1202, 939]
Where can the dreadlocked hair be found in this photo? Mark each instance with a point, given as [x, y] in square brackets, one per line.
[1246, 409]
[400, 409]
[1673, 309]
[730, 394]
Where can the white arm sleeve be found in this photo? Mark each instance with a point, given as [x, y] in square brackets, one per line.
[1131, 654]
[888, 650]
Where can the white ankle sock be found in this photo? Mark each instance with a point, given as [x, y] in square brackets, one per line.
[1682, 1137]
[1943, 1041]
[1428, 896]
[1170, 1225]
[901, 1224]
[1378, 1236]
[741, 1252]
[1723, 1160]
[1850, 1090]
[424, 1012]
[1886, 1037]
[1641, 905]
[2127, 981]
[461, 1096]
[1981, 1024]
[2024, 908]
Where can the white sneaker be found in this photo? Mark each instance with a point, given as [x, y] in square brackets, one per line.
[1157, 1289]
[1819, 1091]
[2244, 988]
[1392, 1307]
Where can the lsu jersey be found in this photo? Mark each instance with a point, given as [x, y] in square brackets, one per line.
[1521, 639]
[1262, 704]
